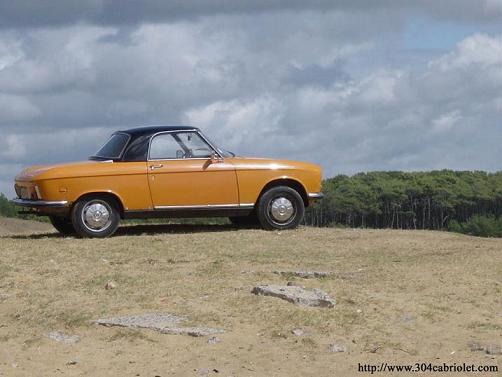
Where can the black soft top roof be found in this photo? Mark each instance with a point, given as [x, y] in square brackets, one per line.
[150, 130]
[137, 146]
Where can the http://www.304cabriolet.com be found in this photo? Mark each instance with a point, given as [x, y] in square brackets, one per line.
[154, 172]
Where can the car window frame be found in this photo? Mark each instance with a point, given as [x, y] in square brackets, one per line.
[204, 139]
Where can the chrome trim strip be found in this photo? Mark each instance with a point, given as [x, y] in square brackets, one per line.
[244, 205]
[316, 195]
[207, 206]
[39, 203]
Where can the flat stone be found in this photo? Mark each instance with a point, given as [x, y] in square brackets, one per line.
[110, 285]
[490, 349]
[164, 323]
[297, 332]
[344, 275]
[475, 346]
[296, 295]
[58, 336]
[335, 348]
[305, 274]
[213, 340]
[192, 331]
[493, 349]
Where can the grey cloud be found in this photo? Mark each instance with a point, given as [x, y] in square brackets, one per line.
[26, 13]
[299, 84]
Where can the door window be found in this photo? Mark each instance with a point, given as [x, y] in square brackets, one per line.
[179, 145]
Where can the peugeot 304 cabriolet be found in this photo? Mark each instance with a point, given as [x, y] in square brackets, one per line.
[154, 172]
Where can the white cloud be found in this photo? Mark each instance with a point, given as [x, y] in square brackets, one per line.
[15, 148]
[299, 84]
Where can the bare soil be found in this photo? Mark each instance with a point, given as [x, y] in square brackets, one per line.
[401, 297]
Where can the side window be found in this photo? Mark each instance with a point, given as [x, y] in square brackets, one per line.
[193, 144]
[177, 145]
[165, 146]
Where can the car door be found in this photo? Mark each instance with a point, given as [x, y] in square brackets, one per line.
[181, 173]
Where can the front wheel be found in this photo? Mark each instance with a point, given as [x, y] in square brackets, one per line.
[62, 224]
[95, 217]
[280, 207]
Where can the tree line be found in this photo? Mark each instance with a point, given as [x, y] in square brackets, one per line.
[465, 201]
[408, 200]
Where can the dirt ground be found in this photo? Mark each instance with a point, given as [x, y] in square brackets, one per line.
[402, 297]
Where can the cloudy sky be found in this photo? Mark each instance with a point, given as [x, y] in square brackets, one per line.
[351, 85]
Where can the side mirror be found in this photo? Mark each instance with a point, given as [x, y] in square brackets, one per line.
[215, 158]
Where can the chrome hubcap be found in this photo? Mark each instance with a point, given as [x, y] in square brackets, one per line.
[281, 209]
[96, 216]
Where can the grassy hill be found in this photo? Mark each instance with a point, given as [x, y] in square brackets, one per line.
[402, 296]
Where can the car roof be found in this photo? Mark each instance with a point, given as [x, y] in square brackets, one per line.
[150, 130]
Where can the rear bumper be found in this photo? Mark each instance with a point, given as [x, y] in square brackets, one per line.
[315, 195]
[39, 204]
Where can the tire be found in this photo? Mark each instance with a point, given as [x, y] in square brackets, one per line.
[62, 224]
[95, 217]
[280, 208]
[244, 221]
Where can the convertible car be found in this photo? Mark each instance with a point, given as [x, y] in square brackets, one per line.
[167, 172]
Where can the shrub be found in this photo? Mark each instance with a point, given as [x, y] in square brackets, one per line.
[478, 225]
[7, 209]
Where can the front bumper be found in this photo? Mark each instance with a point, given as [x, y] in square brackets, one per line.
[315, 195]
[39, 203]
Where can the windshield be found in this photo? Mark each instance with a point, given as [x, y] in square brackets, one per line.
[114, 147]
[223, 152]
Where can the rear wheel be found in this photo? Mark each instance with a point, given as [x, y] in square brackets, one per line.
[280, 207]
[62, 224]
[95, 217]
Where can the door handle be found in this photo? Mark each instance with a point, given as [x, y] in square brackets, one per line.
[158, 166]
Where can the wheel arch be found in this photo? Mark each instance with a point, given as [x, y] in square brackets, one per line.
[289, 182]
[104, 194]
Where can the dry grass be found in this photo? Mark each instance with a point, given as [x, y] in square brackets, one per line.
[401, 296]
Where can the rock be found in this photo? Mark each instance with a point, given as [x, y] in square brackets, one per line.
[192, 331]
[110, 285]
[320, 274]
[163, 323]
[297, 332]
[213, 340]
[407, 318]
[293, 284]
[72, 362]
[475, 346]
[296, 295]
[337, 348]
[203, 372]
[493, 349]
[490, 349]
[305, 274]
[58, 336]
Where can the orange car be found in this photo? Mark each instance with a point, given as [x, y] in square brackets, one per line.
[167, 172]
